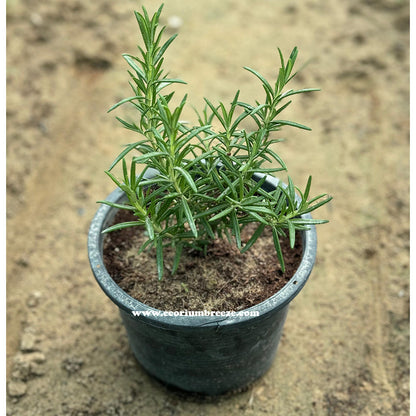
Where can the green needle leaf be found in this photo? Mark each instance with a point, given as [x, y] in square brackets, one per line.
[292, 123]
[278, 248]
[265, 83]
[164, 47]
[122, 225]
[236, 228]
[189, 217]
[159, 257]
[177, 258]
[147, 156]
[291, 234]
[126, 100]
[149, 228]
[187, 176]
[221, 214]
[118, 206]
[253, 238]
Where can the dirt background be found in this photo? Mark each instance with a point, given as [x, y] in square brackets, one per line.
[345, 347]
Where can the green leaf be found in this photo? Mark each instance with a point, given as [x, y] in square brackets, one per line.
[208, 212]
[199, 158]
[258, 218]
[278, 248]
[195, 131]
[265, 83]
[289, 201]
[130, 60]
[164, 47]
[253, 238]
[280, 109]
[221, 214]
[265, 170]
[168, 81]
[292, 60]
[292, 234]
[187, 177]
[129, 126]
[189, 217]
[257, 186]
[159, 257]
[226, 116]
[144, 246]
[291, 123]
[308, 188]
[236, 228]
[177, 258]
[118, 206]
[259, 208]
[126, 100]
[307, 221]
[133, 179]
[225, 159]
[281, 81]
[281, 203]
[122, 225]
[158, 180]
[143, 28]
[231, 186]
[144, 158]
[277, 158]
[125, 173]
[291, 189]
[149, 228]
[317, 205]
[214, 175]
[217, 114]
[282, 61]
[113, 178]
[294, 92]
[207, 228]
[128, 149]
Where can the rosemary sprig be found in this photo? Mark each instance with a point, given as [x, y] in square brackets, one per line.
[205, 187]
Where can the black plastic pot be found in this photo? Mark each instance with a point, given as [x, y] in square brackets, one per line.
[205, 354]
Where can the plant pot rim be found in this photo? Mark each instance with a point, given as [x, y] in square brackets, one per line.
[124, 301]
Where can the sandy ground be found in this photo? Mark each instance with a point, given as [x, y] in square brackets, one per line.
[345, 347]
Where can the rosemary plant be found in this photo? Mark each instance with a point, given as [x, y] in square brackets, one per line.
[205, 188]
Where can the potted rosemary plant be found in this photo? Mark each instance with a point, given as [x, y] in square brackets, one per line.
[183, 188]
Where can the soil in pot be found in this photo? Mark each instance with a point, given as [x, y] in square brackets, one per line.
[224, 280]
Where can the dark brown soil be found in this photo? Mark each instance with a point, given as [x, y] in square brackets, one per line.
[224, 279]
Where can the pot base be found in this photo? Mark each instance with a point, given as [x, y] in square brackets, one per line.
[209, 360]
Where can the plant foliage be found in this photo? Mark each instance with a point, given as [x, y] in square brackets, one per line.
[205, 188]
